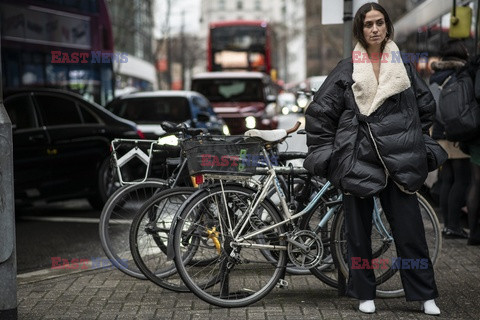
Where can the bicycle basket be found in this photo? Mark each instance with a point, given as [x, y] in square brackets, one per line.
[224, 155]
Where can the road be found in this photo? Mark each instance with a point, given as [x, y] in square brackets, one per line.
[69, 230]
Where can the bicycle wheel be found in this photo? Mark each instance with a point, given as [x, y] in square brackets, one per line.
[326, 271]
[237, 275]
[388, 280]
[149, 237]
[116, 218]
[299, 183]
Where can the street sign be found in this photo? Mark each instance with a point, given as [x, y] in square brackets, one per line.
[332, 11]
[358, 3]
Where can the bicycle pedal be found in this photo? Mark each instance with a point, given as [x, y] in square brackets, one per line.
[282, 284]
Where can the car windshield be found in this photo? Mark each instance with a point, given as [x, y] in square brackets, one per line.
[152, 110]
[218, 90]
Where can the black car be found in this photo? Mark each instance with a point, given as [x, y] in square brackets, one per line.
[61, 146]
[149, 109]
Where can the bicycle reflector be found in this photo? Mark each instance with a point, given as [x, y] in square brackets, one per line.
[199, 179]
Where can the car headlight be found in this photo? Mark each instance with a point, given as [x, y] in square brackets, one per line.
[285, 110]
[225, 130]
[170, 140]
[250, 122]
[302, 101]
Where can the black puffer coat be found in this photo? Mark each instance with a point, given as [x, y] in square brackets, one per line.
[358, 153]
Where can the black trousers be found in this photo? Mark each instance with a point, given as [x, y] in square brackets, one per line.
[403, 214]
[455, 181]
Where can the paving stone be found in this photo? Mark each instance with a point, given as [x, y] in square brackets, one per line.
[110, 294]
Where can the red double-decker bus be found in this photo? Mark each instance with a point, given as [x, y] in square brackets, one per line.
[240, 45]
[35, 34]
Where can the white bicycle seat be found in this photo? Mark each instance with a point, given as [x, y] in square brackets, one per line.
[267, 135]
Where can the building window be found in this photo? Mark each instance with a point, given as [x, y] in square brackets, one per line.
[239, 5]
[258, 5]
[221, 4]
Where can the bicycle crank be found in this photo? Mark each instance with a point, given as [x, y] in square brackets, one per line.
[305, 249]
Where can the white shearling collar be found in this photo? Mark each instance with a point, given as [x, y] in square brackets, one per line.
[393, 79]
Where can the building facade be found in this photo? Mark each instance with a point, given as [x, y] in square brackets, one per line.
[132, 22]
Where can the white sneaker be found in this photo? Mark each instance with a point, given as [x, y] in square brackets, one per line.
[366, 306]
[429, 307]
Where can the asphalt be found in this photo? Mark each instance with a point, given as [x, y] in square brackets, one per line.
[109, 294]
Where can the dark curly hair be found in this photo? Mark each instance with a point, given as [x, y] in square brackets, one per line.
[360, 18]
[454, 49]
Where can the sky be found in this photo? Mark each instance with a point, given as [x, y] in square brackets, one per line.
[192, 15]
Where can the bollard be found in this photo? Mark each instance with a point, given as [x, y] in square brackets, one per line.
[8, 259]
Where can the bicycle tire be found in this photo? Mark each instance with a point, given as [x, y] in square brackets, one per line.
[326, 271]
[149, 237]
[299, 184]
[115, 221]
[389, 283]
[235, 277]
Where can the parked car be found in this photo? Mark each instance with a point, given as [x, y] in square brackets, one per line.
[245, 100]
[61, 146]
[149, 109]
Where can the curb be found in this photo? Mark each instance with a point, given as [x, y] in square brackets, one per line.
[66, 270]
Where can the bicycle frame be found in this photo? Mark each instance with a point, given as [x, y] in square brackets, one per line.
[286, 214]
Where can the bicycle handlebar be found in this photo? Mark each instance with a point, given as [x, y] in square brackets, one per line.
[171, 127]
[294, 128]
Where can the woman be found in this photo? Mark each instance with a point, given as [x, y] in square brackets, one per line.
[455, 173]
[368, 134]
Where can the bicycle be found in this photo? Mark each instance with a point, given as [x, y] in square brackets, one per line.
[242, 232]
[122, 206]
[150, 227]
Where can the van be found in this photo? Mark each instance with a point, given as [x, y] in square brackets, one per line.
[244, 100]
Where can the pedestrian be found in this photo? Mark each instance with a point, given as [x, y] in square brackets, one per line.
[473, 148]
[367, 132]
[473, 196]
[455, 172]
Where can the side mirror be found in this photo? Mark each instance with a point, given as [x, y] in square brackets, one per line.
[203, 116]
[271, 98]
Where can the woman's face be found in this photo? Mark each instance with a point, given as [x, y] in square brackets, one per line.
[374, 28]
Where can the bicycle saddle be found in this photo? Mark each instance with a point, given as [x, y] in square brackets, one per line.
[267, 135]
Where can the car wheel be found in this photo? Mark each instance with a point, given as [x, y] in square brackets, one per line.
[107, 183]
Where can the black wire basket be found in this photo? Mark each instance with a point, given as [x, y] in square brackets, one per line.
[224, 155]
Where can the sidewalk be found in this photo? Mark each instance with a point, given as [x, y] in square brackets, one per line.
[109, 294]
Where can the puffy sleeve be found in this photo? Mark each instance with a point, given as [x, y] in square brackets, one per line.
[426, 104]
[321, 120]
[425, 100]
